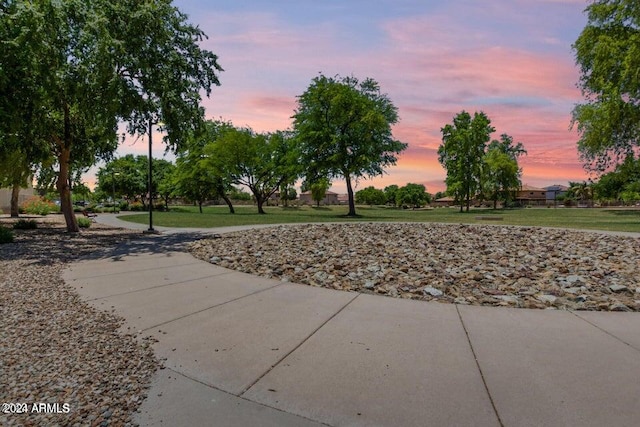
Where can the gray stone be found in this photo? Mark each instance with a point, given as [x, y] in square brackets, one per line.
[618, 288]
[430, 290]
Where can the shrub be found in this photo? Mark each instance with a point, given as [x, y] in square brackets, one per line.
[136, 206]
[159, 206]
[84, 222]
[123, 206]
[38, 206]
[6, 235]
[24, 224]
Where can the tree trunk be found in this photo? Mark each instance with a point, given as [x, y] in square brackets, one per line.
[200, 205]
[260, 202]
[228, 202]
[468, 202]
[15, 197]
[352, 204]
[65, 192]
[495, 203]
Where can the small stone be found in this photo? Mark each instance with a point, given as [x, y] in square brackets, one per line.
[619, 307]
[430, 290]
[618, 288]
[215, 259]
[547, 298]
[507, 298]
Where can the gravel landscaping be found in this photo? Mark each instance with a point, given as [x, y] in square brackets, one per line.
[528, 267]
[56, 349]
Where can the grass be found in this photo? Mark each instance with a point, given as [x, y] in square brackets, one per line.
[217, 216]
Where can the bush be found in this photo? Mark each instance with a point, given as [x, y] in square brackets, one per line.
[123, 206]
[6, 235]
[159, 207]
[84, 222]
[136, 206]
[38, 206]
[24, 224]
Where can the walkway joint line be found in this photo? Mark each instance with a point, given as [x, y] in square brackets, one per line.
[484, 381]
[241, 397]
[298, 346]
[604, 330]
[161, 286]
[213, 306]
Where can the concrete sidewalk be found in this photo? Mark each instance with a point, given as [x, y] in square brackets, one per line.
[247, 351]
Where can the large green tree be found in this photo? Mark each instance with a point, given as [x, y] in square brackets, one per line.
[260, 162]
[608, 54]
[343, 129]
[199, 177]
[414, 195]
[461, 152]
[501, 172]
[370, 196]
[101, 62]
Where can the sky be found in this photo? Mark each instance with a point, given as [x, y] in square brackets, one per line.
[511, 59]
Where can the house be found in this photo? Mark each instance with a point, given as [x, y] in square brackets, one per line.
[555, 191]
[528, 195]
[444, 201]
[330, 198]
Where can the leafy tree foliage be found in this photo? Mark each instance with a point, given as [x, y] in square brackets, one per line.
[343, 129]
[128, 177]
[623, 180]
[319, 190]
[261, 162]
[414, 195]
[608, 54]
[370, 196]
[501, 177]
[461, 152]
[198, 176]
[390, 192]
[84, 66]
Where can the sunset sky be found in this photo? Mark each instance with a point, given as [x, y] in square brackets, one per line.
[511, 59]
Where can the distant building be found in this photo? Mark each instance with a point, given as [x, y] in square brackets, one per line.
[330, 198]
[444, 201]
[555, 191]
[528, 195]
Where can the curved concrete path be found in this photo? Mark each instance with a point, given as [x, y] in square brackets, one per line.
[240, 350]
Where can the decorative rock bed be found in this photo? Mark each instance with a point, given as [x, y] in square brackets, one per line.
[55, 348]
[527, 267]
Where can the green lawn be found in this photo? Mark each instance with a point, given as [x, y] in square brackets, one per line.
[217, 216]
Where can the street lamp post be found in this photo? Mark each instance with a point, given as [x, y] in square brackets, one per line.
[151, 229]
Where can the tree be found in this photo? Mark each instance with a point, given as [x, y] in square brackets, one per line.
[611, 185]
[198, 176]
[607, 53]
[461, 153]
[343, 129]
[101, 62]
[501, 173]
[15, 172]
[371, 196]
[390, 194]
[414, 195]
[319, 190]
[261, 162]
[501, 176]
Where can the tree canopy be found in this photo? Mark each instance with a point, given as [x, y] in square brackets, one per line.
[85, 66]
[261, 162]
[461, 152]
[608, 54]
[343, 129]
